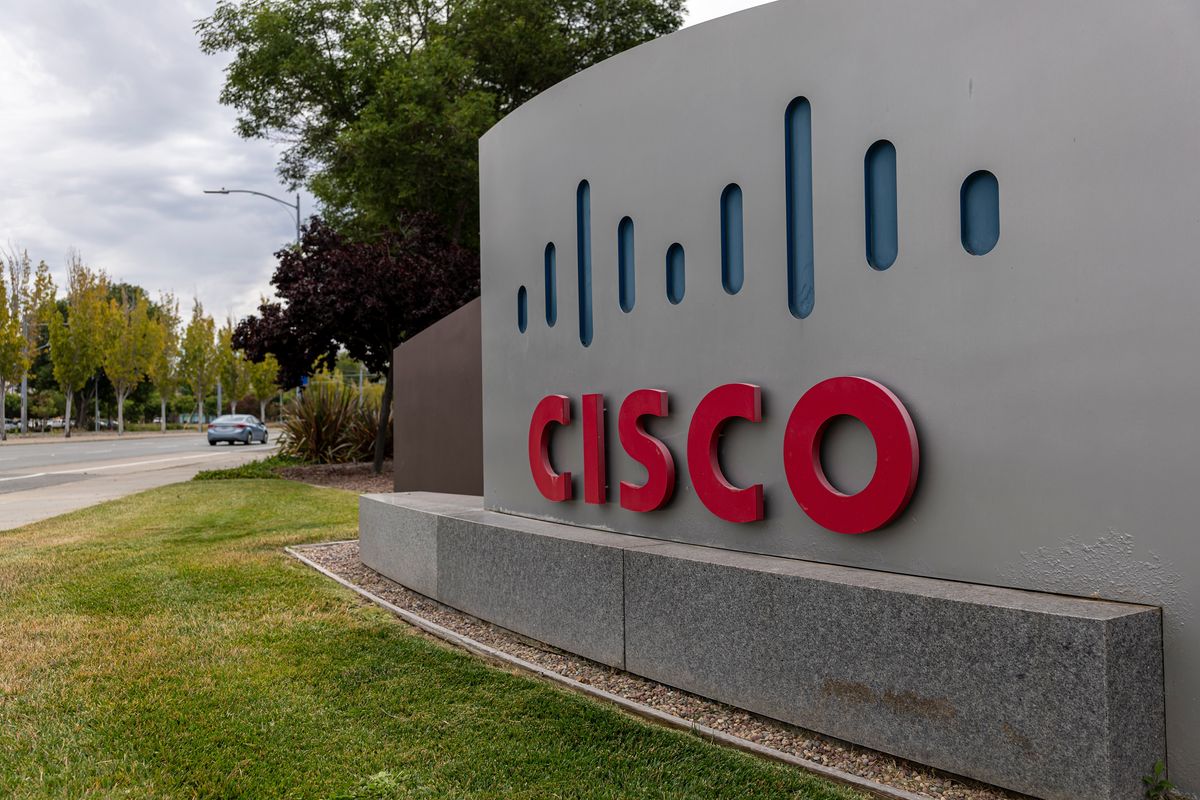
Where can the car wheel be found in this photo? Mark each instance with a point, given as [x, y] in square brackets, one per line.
[249, 439]
[264, 437]
[212, 443]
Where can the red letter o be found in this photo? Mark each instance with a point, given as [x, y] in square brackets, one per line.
[896, 462]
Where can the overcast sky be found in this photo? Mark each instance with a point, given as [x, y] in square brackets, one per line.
[109, 131]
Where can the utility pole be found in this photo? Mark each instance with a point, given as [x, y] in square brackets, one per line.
[295, 206]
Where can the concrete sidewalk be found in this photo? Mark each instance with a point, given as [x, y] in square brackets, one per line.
[16, 439]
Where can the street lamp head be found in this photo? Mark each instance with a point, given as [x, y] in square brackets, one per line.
[222, 190]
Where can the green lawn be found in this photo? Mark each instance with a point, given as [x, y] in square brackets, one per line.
[164, 646]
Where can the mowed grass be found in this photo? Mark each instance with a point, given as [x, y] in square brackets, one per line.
[162, 646]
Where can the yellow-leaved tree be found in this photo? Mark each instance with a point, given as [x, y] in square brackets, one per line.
[232, 367]
[13, 363]
[198, 363]
[76, 338]
[126, 347]
[163, 369]
[264, 383]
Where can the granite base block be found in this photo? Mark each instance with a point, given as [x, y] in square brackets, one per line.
[1057, 697]
[555, 583]
[397, 535]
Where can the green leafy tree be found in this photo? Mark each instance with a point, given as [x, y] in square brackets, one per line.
[233, 370]
[198, 363]
[163, 367]
[381, 102]
[126, 350]
[76, 336]
[264, 382]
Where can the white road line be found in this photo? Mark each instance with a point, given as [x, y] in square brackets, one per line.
[83, 470]
[94, 452]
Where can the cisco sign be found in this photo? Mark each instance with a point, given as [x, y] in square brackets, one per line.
[883, 498]
[984, 212]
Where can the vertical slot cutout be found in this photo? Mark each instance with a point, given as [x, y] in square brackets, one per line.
[626, 288]
[583, 247]
[979, 204]
[551, 286]
[799, 206]
[879, 184]
[732, 251]
[675, 273]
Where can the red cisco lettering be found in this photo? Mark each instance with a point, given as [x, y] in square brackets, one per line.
[552, 485]
[731, 401]
[897, 456]
[883, 499]
[648, 451]
[595, 477]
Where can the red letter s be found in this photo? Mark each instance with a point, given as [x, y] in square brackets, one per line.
[646, 450]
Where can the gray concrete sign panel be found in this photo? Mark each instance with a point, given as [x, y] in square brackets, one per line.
[989, 208]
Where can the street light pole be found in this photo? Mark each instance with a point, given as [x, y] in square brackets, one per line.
[295, 205]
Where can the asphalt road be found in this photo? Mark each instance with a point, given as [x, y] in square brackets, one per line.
[48, 478]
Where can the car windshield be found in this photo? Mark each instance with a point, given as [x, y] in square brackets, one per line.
[228, 419]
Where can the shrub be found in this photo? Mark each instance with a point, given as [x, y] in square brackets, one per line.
[331, 424]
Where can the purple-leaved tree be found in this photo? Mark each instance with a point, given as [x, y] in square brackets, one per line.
[365, 296]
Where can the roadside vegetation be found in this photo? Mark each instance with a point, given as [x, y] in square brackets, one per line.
[333, 424]
[162, 646]
[263, 469]
[104, 352]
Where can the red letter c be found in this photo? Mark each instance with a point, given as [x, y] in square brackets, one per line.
[551, 408]
[733, 400]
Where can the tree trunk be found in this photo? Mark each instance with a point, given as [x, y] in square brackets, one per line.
[3, 412]
[262, 411]
[233, 406]
[162, 415]
[120, 413]
[25, 403]
[200, 413]
[81, 411]
[67, 416]
[385, 407]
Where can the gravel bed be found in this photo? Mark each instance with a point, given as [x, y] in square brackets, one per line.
[342, 559]
[357, 477]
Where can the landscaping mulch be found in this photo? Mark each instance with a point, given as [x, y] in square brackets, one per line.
[358, 477]
[342, 559]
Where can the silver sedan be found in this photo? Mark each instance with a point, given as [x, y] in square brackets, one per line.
[237, 428]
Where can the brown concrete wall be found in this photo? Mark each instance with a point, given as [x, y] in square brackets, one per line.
[438, 407]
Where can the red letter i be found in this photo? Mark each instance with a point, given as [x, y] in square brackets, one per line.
[595, 478]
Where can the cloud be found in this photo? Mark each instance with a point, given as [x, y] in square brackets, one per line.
[109, 131]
